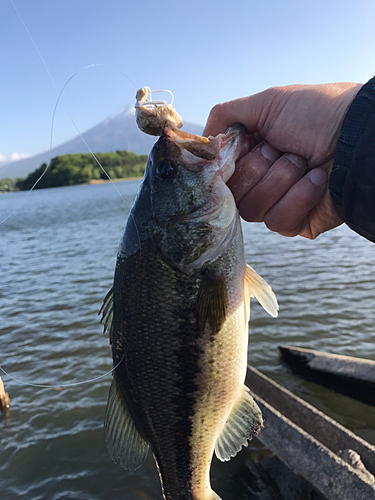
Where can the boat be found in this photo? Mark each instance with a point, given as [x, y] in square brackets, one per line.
[338, 464]
[354, 377]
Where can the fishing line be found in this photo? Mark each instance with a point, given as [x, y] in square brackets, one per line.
[32, 41]
[78, 131]
[54, 113]
[72, 384]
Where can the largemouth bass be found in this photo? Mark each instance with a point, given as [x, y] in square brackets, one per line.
[177, 317]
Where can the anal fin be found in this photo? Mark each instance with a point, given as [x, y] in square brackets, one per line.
[244, 422]
[124, 443]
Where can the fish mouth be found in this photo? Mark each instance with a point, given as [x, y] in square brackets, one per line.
[236, 132]
[207, 148]
[224, 150]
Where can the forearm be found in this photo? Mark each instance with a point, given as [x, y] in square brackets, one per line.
[352, 180]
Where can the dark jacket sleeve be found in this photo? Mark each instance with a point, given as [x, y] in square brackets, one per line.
[352, 180]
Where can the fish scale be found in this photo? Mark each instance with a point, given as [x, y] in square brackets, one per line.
[162, 380]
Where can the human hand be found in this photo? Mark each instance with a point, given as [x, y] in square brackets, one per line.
[293, 131]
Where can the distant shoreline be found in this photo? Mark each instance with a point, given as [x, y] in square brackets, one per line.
[92, 181]
[104, 181]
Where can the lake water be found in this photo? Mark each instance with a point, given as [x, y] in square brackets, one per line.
[57, 256]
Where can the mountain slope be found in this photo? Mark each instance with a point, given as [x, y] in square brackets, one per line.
[118, 132]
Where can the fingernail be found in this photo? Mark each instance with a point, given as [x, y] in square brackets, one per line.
[270, 152]
[297, 160]
[318, 176]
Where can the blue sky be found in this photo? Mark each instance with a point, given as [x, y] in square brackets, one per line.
[204, 51]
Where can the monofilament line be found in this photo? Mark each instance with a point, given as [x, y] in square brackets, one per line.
[71, 384]
[32, 41]
[80, 135]
[54, 112]
[78, 131]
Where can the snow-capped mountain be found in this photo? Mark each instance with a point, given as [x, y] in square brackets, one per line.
[118, 132]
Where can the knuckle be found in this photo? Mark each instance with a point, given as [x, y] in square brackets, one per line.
[274, 223]
[277, 223]
[280, 227]
[217, 111]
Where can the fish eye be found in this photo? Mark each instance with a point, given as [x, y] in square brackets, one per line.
[165, 170]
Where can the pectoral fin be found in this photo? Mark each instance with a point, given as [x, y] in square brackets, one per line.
[124, 443]
[212, 302]
[244, 422]
[260, 289]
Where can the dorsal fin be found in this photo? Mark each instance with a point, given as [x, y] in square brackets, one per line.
[124, 443]
[261, 290]
[107, 314]
[244, 422]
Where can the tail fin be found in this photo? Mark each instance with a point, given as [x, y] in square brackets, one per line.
[210, 495]
[214, 496]
[206, 495]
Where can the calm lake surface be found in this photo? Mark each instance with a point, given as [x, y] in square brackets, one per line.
[57, 257]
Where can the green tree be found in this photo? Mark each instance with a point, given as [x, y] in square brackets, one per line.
[7, 185]
[68, 170]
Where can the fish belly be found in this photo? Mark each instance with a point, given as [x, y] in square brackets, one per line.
[222, 371]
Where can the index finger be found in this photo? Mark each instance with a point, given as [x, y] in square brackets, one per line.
[245, 110]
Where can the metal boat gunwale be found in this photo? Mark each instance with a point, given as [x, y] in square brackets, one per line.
[308, 442]
[349, 375]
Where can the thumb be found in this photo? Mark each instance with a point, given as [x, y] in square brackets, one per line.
[246, 110]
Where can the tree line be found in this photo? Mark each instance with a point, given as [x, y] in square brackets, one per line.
[68, 170]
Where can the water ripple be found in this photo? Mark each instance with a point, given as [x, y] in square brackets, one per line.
[57, 260]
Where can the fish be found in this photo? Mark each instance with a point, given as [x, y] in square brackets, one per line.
[177, 317]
